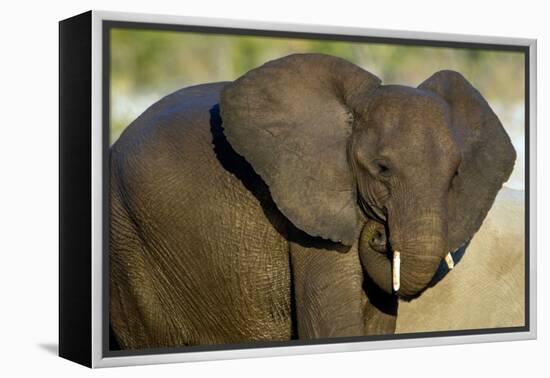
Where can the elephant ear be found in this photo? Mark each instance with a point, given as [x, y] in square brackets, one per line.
[291, 120]
[487, 154]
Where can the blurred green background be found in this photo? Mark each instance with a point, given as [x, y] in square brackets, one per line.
[147, 65]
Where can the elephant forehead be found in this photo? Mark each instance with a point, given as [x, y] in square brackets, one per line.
[410, 108]
[413, 119]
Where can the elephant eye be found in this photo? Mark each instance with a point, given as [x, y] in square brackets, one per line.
[382, 168]
[454, 178]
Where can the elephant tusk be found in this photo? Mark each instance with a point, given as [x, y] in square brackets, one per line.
[396, 270]
[449, 260]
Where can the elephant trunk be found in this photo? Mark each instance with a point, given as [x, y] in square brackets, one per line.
[417, 248]
[375, 260]
[418, 245]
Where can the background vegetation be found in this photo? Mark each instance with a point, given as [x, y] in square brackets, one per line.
[147, 65]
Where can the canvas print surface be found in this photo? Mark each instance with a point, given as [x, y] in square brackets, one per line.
[269, 190]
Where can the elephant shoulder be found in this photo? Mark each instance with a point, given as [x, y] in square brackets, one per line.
[171, 115]
[168, 140]
[170, 128]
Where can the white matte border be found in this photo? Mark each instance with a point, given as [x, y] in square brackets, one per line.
[97, 193]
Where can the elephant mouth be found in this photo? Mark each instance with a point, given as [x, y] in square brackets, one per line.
[445, 265]
[383, 264]
[372, 211]
[451, 260]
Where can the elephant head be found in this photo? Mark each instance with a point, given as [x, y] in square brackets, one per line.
[337, 148]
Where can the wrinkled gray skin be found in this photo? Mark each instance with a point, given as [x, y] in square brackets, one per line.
[246, 210]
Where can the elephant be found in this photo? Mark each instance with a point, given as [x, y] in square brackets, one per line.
[303, 200]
